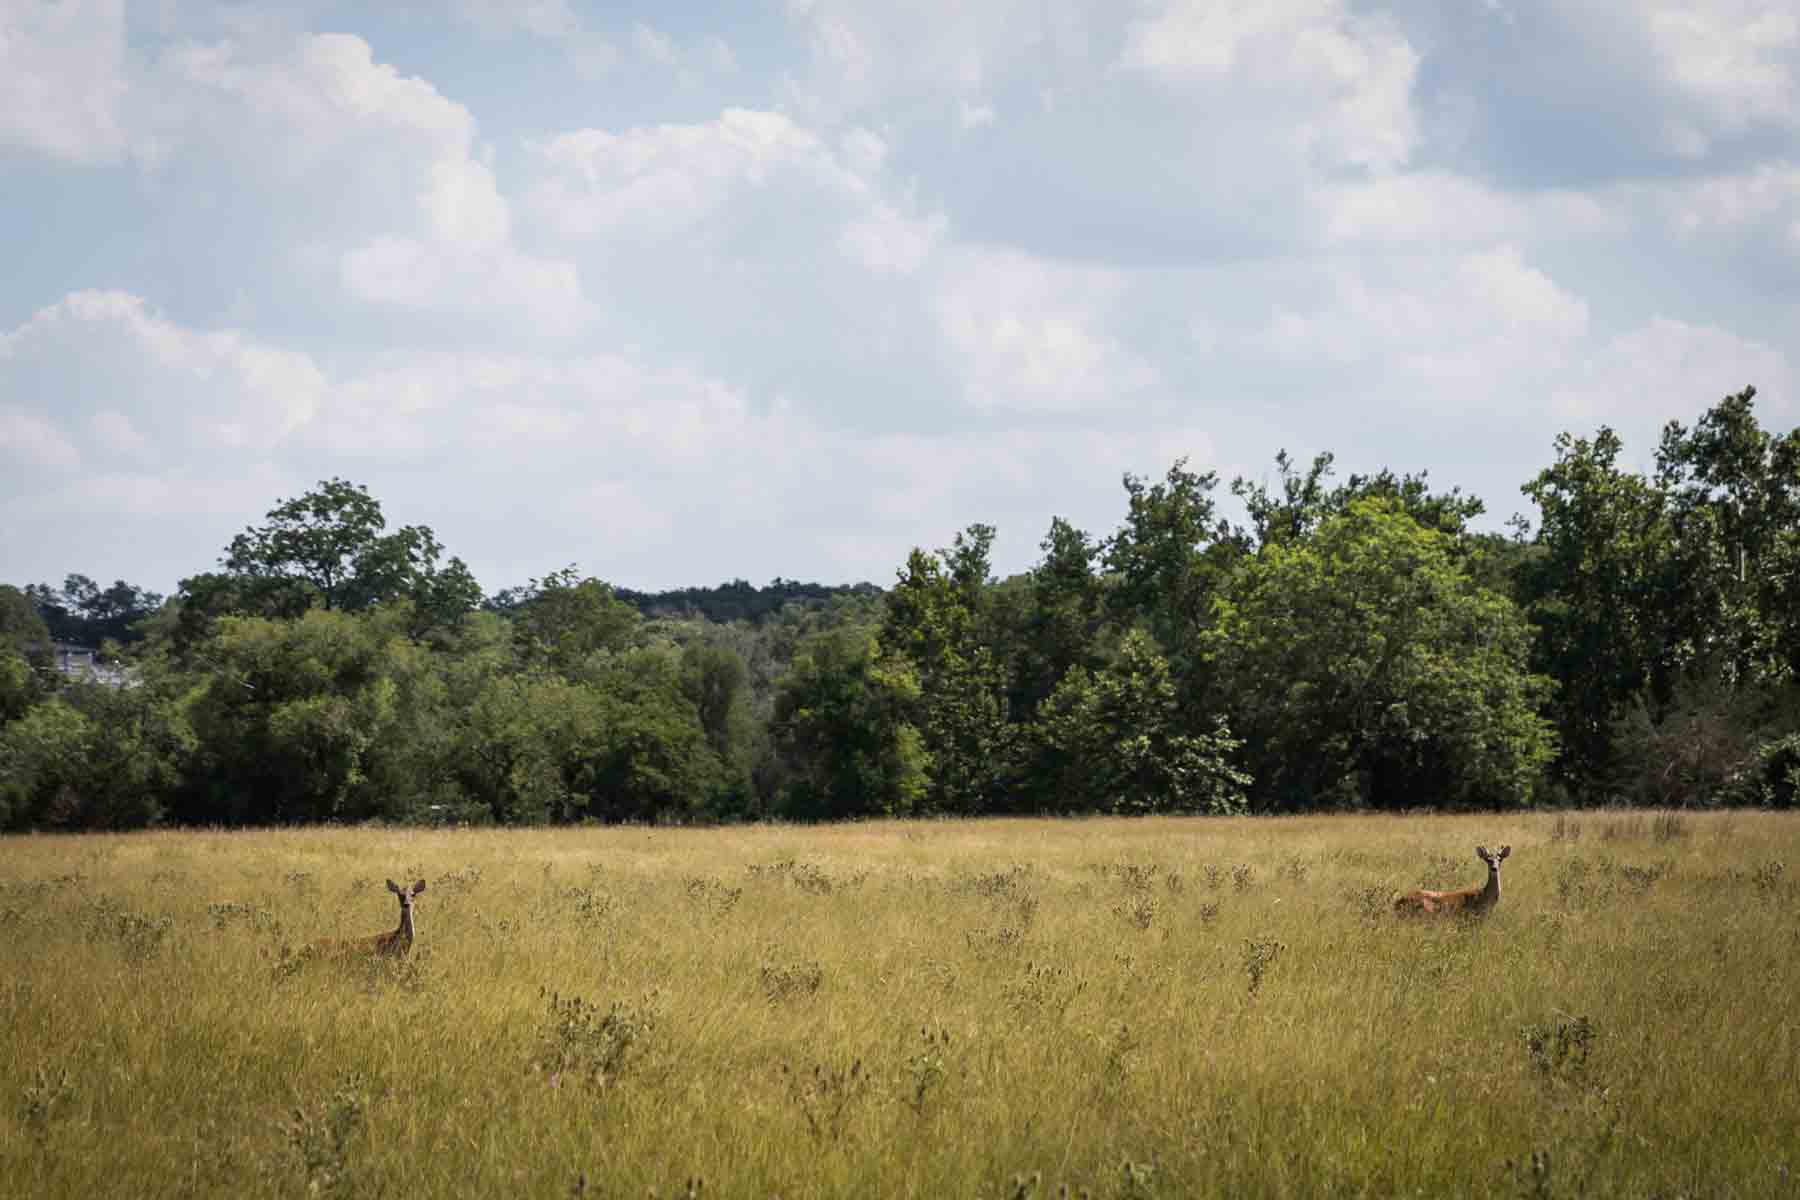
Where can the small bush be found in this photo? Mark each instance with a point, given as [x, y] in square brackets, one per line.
[582, 1042]
[787, 981]
[1259, 955]
[321, 1138]
[827, 1095]
[1560, 1048]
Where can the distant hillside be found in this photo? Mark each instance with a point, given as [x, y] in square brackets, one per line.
[737, 600]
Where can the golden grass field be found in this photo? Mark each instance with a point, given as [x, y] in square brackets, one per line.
[1158, 1007]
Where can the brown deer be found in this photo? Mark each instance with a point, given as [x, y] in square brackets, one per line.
[397, 944]
[1472, 902]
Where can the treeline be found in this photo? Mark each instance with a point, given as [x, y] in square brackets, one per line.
[83, 613]
[1354, 645]
[738, 600]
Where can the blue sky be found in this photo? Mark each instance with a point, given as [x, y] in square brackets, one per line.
[682, 298]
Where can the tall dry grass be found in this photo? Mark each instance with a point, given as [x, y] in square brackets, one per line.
[1004, 1008]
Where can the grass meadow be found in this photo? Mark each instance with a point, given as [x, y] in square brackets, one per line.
[1158, 1007]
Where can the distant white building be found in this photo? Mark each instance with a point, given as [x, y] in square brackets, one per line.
[83, 662]
[74, 660]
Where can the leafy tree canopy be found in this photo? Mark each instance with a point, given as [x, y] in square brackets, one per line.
[1604, 591]
[327, 549]
[87, 614]
[22, 627]
[1301, 500]
[1364, 668]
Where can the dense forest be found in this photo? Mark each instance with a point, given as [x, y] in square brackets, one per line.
[1355, 645]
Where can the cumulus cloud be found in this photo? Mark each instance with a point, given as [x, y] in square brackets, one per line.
[1738, 59]
[1478, 319]
[1671, 369]
[360, 165]
[95, 351]
[63, 78]
[867, 52]
[543, 18]
[567, 283]
[29, 437]
[662, 180]
[1027, 334]
[1437, 207]
[888, 243]
[1765, 199]
[1345, 79]
[562, 434]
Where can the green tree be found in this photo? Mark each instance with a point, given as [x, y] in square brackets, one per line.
[659, 764]
[1363, 667]
[94, 757]
[1734, 496]
[24, 654]
[618, 741]
[1605, 592]
[327, 549]
[294, 718]
[1063, 610]
[85, 613]
[1303, 500]
[938, 619]
[1115, 741]
[716, 682]
[842, 734]
[1167, 556]
[563, 619]
[20, 686]
[22, 627]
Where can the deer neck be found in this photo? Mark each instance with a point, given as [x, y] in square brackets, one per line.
[404, 934]
[1487, 899]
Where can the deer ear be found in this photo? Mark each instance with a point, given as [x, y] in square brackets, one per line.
[393, 887]
[1481, 852]
[1505, 850]
[418, 887]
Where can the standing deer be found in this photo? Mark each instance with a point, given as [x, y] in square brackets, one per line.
[1472, 902]
[397, 944]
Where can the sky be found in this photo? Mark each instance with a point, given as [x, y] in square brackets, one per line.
[686, 293]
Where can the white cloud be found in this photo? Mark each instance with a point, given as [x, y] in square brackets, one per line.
[556, 436]
[1476, 319]
[218, 391]
[715, 54]
[381, 171]
[1673, 369]
[114, 430]
[710, 55]
[1029, 334]
[543, 18]
[662, 180]
[865, 150]
[654, 45]
[151, 524]
[1518, 299]
[448, 277]
[1738, 59]
[891, 244]
[1346, 80]
[1766, 197]
[869, 51]
[62, 78]
[836, 40]
[321, 97]
[974, 116]
[27, 435]
[651, 346]
[1444, 209]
